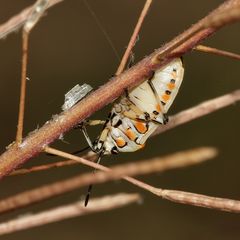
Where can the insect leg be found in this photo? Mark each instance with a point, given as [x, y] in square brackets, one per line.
[88, 139]
[90, 123]
[165, 117]
[82, 127]
[89, 190]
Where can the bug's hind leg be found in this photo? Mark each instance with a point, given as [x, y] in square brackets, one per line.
[89, 123]
[89, 190]
[165, 118]
[82, 127]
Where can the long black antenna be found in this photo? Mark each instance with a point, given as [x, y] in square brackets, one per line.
[91, 185]
[102, 29]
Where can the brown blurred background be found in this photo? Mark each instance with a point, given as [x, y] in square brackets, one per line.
[66, 48]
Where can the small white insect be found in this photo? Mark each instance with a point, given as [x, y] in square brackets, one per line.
[137, 115]
[75, 95]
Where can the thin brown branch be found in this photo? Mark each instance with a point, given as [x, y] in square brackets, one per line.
[134, 37]
[35, 143]
[68, 211]
[89, 156]
[177, 160]
[25, 37]
[57, 188]
[231, 15]
[185, 116]
[216, 51]
[223, 204]
[34, 16]
[16, 22]
[43, 167]
[200, 111]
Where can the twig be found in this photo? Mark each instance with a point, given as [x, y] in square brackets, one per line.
[43, 167]
[35, 143]
[216, 51]
[185, 116]
[32, 19]
[25, 37]
[57, 188]
[232, 14]
[200, 111]
[134, 37]
[16, 22]
[176, 160]
[89, 156]
[223, 204]
[68, 211]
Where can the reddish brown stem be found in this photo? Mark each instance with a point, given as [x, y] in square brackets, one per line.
[35, 143]
[185, 116]
[68, 211]
[25, 37]
[216, 51]
[159, 164]
[16, 22]
[134, 37]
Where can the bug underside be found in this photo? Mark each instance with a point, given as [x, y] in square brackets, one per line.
[137, 115]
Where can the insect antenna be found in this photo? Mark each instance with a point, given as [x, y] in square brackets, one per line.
[102, 29]
[81, 150]
[89, 190]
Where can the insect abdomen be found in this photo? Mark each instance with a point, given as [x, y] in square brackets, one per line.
[138, 114]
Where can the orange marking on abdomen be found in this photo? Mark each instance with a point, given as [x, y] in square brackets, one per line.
[130, 134]
[141, 127]
[142, 146]
[158, 107]
[165, 97]
[120, 142]
[174, 75]
[171, 86]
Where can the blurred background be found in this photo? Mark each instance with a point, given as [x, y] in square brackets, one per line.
[66, 48]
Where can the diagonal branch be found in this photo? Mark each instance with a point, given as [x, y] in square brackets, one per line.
[16, 22]
[200, 110]
[206, 49]
[35, 143]
[176, 160]
[50, 190]
[134, 37]
[68, 211]
[185, 116]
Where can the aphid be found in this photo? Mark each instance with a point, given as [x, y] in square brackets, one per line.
[137, 115]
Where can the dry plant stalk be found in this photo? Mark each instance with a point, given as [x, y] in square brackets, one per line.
[178, 46]
[68, 211]
[16, 22]
[223, 204]
[200, 110]
[216, 51]
[32, 18]
[177, 160]
[185, 116]
[35, 142]
[90, 156]
[134, 37]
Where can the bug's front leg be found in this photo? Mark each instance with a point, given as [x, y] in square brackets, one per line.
[82, 127]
